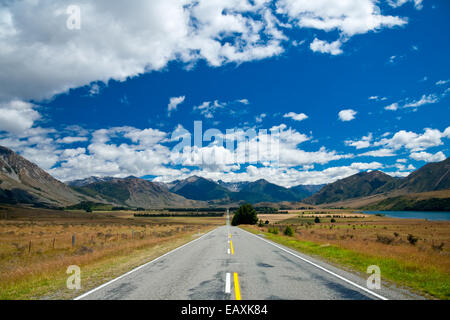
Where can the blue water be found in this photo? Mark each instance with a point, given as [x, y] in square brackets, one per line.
[429, 215]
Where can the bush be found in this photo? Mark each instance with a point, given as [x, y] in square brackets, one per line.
[267, 222]
[333, 220]
[412, 239]
[260, 223]
[384, 239]
[246, 214]
[316, 220]
[288, 231]
[273, 230]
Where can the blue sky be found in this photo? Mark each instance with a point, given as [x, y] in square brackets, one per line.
[358, 87]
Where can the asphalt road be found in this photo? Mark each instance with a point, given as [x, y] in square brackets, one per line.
[230, 263]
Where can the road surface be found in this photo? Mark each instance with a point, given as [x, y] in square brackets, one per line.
[230, 263]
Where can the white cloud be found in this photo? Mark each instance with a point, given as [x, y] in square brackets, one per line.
[173, 103]
[142, 36]
[347, 114]
[208, 108]
[392, 107]
[348, 17]
[260, 118]
[296, 116]
[379, 153]
[17, 116]
[364, 142]
[69, 140]
[397, 3]
[414, 141]
[333, 48]
[442, 82]
[244, 101]
[425, 99]
[428, 157]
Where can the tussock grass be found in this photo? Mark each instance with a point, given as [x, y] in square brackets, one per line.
[105, 247]
[358, 243]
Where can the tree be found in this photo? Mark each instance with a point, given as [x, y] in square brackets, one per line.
[317, 220]
[246, 214]
[288, 231]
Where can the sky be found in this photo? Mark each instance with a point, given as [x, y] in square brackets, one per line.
[109, 88]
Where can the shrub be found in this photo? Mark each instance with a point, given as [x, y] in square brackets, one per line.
[396, 234]
[438, 247]
[246, 214]
[316, 220]
[273, 230]
[288, 231]
[412, 239]
[260, 223]
[267, 222]
[384, 239]
[333, 220]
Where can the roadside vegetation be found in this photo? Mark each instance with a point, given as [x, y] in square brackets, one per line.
[37, 246]
[246, 214]
[411, 253]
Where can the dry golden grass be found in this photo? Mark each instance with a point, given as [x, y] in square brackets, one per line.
[36, 245]
[363, 234]
[380, 238]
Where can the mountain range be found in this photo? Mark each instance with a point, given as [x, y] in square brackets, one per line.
[427, 188]
[22, 181]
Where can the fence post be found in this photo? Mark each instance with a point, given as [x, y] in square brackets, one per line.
[73, 240]
[29, 247]
[53, 244]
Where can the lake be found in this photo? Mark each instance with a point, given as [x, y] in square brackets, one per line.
[430, 215]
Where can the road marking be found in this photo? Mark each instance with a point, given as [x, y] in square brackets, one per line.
[231, 245]
[140, 267]
[321, 268]
[237, 290]
[228, 283]
[229, 235]
[228, 251]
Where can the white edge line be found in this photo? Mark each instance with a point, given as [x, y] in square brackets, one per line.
[140, 267]
[228, 283]
[320, 267]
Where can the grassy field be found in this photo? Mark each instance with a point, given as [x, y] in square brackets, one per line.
[36, 247]
[357, 241]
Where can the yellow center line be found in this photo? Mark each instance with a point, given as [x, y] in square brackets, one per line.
[237, 291]
[231, 245]
[229, 236]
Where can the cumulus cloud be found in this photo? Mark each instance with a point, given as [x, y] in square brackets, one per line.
[414, 141]
[17, 116]
[41, 57]
[364, 142]
[428, 157]
[392, 107]
[173, 103]
[348, 17]
[333, 48]
[347, 114]
[379, 153]
[296, 116]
